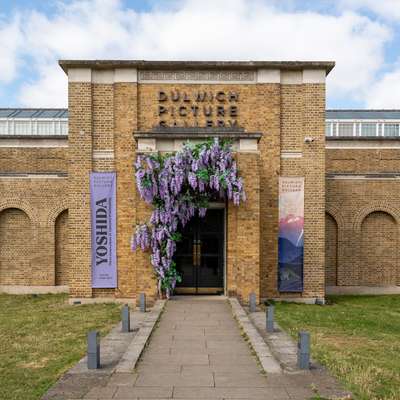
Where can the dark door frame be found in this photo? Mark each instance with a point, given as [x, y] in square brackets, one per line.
[214, 205]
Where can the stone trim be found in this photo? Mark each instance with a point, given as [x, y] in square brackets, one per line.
[103, 154]
[125, 75]
[196, 133]
[360, 142]
[188, 76]
[32, 142]
[132, 354]
[314, 76]
[291, 154]
[170, 144]
[248, 144]
[197, 65]
[361, 138]
[103, 76]
[22, 290]
[361, 290]
[33, 175]
[281, 344]
[291, 77]
[102, 300]
[79, 75]
[370, 177]
[197, 76]
[267, 360]
[268, 76]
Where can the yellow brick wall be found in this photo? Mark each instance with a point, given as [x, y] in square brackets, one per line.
[303, 115]
[80, 140]
[365, 210]
[102, 121]
[125, 123]
[29, 208]
[34, 159]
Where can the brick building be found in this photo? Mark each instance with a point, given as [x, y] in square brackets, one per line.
[274, 113]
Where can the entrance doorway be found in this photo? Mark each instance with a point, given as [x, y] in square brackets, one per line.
[200, 254]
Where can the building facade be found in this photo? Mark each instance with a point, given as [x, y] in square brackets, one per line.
[274, 114]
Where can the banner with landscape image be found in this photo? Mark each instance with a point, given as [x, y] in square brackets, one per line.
[291, 234]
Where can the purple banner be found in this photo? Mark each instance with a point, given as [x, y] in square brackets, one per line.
[103, 218]
[291, 234]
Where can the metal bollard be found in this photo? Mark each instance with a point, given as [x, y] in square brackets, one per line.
[126, 318]
[303, 350]
[252, 302]
[270, 318]
[93, 350]
[142, 302]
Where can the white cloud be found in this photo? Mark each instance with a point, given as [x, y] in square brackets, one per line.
[389, 9]
[192, 29]
[10, 40]
[385, 93]
[50, 90]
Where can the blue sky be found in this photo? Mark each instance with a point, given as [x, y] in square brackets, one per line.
[362, 36]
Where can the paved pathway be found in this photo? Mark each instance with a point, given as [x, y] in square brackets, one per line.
[197, 352]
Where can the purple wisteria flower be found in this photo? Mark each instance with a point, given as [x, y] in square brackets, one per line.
[179, 186]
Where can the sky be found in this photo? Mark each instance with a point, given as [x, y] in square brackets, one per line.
[361, 36]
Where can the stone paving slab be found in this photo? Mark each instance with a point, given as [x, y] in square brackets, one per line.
[268, 362]
[79, 381]
[197, 351]
[160, 392]
[232, 393]
[280, 343]
[180, 379]
[131, 356]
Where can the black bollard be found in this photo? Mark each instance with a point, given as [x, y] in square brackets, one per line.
[126, 318]
[142, 302]
[252, 302]
[303, 350]
[93, 350]
[270, 318]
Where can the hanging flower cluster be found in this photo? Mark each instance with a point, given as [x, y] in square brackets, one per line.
[179, 186]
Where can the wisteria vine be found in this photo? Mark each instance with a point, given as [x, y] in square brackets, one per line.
[179, 185]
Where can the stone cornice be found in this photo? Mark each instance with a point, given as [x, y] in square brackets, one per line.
[197, 65]
[195, 133]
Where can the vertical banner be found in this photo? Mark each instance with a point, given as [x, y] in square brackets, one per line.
[291, 234]
[103, 224]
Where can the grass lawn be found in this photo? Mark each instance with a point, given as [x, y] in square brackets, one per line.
[41, 337]
[356, 337]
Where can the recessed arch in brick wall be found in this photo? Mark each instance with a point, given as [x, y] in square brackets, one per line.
[337, 216]
[61, 249]
[370, 208]
[54, 212]
[16, 232]
[331, 250]
[379, 255]
[21, 205]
